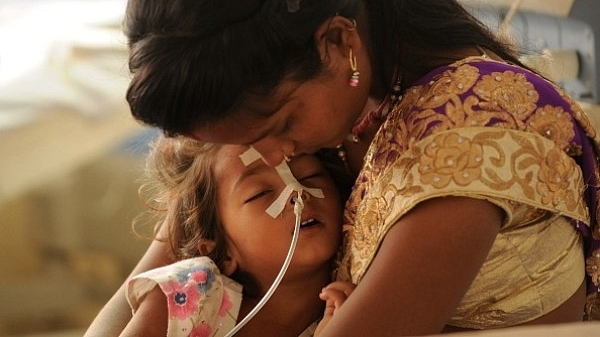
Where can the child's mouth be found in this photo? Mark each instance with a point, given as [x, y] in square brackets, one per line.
[308, 223]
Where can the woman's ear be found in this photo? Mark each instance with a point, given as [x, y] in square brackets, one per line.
[338, 33]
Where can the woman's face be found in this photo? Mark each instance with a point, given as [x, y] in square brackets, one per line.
[258, 242]
[302, 118]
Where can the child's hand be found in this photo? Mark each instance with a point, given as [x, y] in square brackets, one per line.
[334, 295]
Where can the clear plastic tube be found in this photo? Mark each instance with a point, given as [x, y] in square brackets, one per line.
[298, 206]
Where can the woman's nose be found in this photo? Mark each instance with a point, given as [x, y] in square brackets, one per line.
[274, 150]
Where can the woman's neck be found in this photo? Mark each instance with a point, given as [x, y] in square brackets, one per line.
[294, 306]
[357, 148]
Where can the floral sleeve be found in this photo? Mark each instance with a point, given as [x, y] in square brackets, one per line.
[201, 301]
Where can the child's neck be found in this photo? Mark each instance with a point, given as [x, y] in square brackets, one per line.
[294, 306]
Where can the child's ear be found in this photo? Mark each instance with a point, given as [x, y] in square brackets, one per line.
[230, 265]
[205, 246]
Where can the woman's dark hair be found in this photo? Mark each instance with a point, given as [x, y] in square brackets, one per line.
[194, 61]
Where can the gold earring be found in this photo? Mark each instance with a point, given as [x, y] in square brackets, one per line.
[353, 66]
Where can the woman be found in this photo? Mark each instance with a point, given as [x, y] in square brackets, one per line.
[476, 199]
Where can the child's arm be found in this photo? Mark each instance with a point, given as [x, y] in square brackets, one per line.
[334, 296]
[151, 318]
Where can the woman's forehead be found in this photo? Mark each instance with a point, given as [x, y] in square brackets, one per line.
[241, 129]
[249, 121]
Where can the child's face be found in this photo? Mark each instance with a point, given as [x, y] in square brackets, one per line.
[260, 242]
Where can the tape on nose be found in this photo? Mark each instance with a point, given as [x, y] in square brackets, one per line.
[288, 178]
[294, 199]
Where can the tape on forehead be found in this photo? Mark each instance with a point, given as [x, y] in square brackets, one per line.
[251, 155]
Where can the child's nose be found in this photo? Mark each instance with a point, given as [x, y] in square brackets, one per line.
[305, 196]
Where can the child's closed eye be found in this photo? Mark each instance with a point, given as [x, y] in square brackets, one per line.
[316, 175]
[257, 196]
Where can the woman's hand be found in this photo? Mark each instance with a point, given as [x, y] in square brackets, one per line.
[334, 296]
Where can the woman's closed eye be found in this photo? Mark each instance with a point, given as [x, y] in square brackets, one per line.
[286, 128]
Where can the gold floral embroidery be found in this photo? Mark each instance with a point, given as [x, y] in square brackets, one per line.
[510, 92]
[592, 266]
[450, 157]
[592, 307]
[365, 234]
[596, 232]
[580, 116]
[495, 163]
[448, 86]
[370, 210]
[554, 180]
[476, 116]
[553, 123]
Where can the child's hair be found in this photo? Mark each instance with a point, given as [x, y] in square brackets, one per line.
[181, 190]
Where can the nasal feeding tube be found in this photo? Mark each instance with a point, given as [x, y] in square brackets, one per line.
[274, 210]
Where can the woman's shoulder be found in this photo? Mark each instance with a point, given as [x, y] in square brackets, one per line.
[489, 85]
[481, 65]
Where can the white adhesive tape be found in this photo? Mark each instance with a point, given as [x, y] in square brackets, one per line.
[277, 207]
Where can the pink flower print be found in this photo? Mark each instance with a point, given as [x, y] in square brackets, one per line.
[226, 305]
[199, 276]
[201, 330]
[181, 299]
[204, 277]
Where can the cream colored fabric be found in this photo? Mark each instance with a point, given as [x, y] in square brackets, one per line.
[587, 329]
[201, 301]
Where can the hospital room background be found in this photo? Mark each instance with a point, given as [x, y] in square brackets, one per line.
[71, 155]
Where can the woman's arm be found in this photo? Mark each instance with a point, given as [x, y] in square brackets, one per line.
[422, 270]
[115, 315]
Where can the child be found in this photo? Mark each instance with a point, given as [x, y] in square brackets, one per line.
[229, 250]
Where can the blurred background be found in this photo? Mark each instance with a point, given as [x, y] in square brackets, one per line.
[71, 155]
